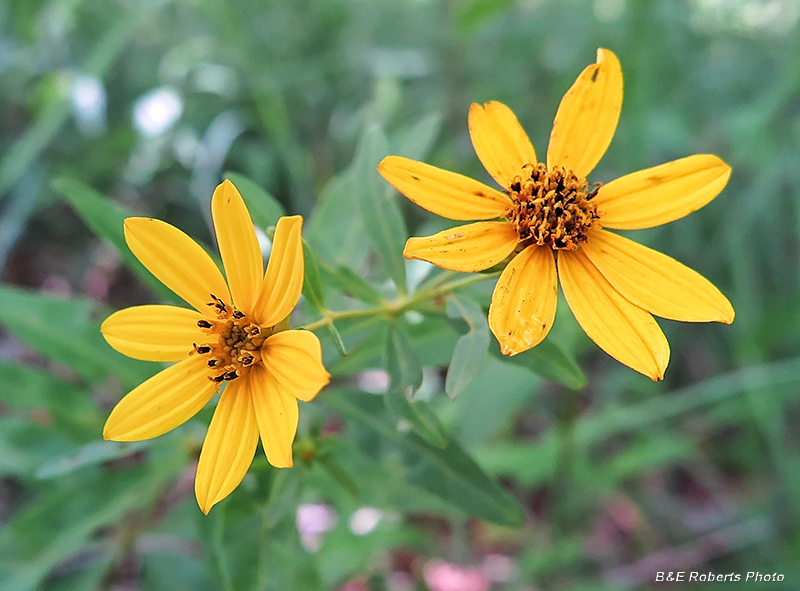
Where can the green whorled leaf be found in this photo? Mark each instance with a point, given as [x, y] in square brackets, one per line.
[402, 363]
[312, 284]
[419, 415]
[264, 208]
[350, 283]
[106, 219]
[550, 361]
[66, 331]
[449, 472]
[91, 454]
[416, 140]
[375, 200]
[471, 349]
[71, 407]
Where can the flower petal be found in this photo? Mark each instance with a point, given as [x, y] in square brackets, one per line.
[499, 141]
[653, 281]
[661, 194]
[469, 248]
[623, 330]
[177, 261]
[229, 446]
[153, 333]
[294, 358]
[444, 193]
[283, 281]
[524, 300]
[168, 399]
[587, 117]
[238, 245]
[277, 415]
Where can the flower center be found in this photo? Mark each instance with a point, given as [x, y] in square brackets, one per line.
[234, 343]
[552, 207]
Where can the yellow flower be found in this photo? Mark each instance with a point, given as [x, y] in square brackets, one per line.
[236, 336]
[551, 220]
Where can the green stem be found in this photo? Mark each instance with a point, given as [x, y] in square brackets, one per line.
[561, 498]
[401, 304]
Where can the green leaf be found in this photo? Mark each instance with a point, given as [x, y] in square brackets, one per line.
[450, 472]
[283, 495]
[65, 331]
[471, 349]
[405, 371]
[72, 408]
[375, 199]
[415, 142]
[419, 415]
[106, 218]
[350, 283]
[550, 361]
[264, 208]
[91, 454]
[67, 518]
[337, 339]
[334, 230]
[312, 284]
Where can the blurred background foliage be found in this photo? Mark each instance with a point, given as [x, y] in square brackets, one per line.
[525, 481]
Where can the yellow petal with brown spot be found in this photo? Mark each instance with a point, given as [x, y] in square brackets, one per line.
[524, 300]
[653, 281]
[501, 144]
[444, 193]
[587, 117]
[661, 194]
[469, 248]
[623, 330]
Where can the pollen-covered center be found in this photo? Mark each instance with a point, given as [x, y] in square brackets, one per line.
[552, 207]
[234, 342]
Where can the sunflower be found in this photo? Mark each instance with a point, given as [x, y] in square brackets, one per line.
[553, 224]
[236, 339]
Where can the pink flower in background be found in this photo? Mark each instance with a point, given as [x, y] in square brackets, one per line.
[445, 576]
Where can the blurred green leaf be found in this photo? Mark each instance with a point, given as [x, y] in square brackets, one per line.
[449, 473]
[72, 408]
[106, 219]
[351, 284]
[419, 415]
[18, 158]
[402, 363]
[375, 199]
[337, 339]
[471, 349]
[264, 208]
[91, 454]
[550, 361]
[65, 331]
[415, 141]
[284, 493]
[312, 284]
[57, 527]
[26, 445]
